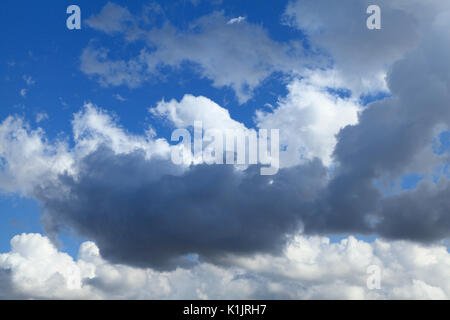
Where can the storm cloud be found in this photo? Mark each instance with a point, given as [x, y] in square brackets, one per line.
[386, 143]
[122, 191]
[211, 210]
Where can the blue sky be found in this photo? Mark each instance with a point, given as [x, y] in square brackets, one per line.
[364, 136]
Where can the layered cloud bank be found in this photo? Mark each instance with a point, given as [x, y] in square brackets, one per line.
[160, 230]
[310, 267]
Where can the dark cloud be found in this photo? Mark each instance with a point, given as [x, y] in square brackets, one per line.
[210, 210]
[390, 133]
[139, 216]
[422, 214]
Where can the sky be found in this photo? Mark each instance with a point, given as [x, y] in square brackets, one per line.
[93, 207]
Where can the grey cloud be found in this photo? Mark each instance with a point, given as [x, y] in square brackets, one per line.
[139, 216]
[111, 19]
[210, 210]
[239, 56]
[390, 133]
[213, 210]
[95, 63]
[423, 213]
[362, 56]
[7, 290]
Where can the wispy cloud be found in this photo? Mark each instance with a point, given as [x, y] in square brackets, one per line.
[119, 97]
[236, 20]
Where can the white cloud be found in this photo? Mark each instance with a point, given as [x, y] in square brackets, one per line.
[28, 157]
[119, 97]
[311, 267]
[189, 109]
[183, 114]
[236, 20]
[309, 118]
[93, 127]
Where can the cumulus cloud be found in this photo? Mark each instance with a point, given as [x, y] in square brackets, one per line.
[148, 216]
[389, 136]
[310, 267]
[122, 191]
[362, 57]
[115, 183]
[183, 113]
[309, 117]
[187, 210]
[28, 157]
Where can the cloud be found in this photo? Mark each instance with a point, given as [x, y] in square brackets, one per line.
[95, 63]
[150, 216]
[236, 20]
[164, 213]
[310, 267]
[41, 116]
[28, 157]
[135, 177]
[182, 114]
[388, 138]
[119, 97]
[362, 56]
[238, 55]
[121, 190]
[111, 19]
[309, 117]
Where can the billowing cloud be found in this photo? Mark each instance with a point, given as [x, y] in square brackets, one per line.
[309, 117]
[122, 191]
[183, 113]
[310, 267]
[138, 212]
[388, 138]
[362, 57]
[28, 157]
